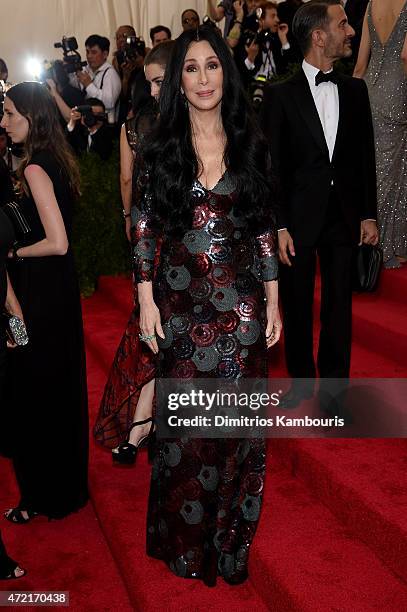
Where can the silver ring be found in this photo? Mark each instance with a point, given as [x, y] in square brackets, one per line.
[146, 338]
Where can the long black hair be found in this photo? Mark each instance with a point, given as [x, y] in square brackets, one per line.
[171, 159]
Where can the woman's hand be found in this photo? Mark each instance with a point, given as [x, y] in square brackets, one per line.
[274, 325]
[12, 306]
[150, 324]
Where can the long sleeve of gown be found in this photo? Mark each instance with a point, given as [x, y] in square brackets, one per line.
[146, 235]
[267, 251]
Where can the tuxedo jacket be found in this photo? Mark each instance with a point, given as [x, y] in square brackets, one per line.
[300, 156]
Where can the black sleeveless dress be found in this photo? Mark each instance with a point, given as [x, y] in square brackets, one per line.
[46, 398]
[6, 240]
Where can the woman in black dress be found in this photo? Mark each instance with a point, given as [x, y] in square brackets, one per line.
[208, 299]
[8, 568]
[46, 398]
[125, 414]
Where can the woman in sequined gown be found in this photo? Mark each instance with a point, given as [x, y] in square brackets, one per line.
[205, 260]
[380, 63]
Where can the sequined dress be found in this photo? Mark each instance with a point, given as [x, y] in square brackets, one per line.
[387, 85]
[205, 496]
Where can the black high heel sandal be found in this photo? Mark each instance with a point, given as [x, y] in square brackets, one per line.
[8, 567]
[15, 515]
[126, 452]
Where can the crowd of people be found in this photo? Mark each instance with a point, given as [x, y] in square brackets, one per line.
[244, 155]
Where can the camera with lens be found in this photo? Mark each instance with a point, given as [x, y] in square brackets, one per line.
[72, 59]
[90, 118]
[259, 38]
[133, 48]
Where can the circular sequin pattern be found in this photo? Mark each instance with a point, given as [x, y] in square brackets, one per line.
[145, 249]
[209, 477]
[203, 313]
[219, 229]
[228, 368]
[224, 299]
[199, 265]
[197, 241]
[183, 348]
[227, 345]
[172, 454]
[248, 332]
[251, 508]
[178, 278]
[201, 289]
[206, 358]
[245, 284]
[203, 334]
[220, 253]
[201, 216]
[222, 276]
[169, 337]
[184, 370]
[192, 512]
[180, 324]
[247, 308]
[227, 322]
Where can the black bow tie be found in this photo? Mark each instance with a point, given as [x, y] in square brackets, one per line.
[323, 77]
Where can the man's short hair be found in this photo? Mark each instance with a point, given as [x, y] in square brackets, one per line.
[266, 6]
[98, 41]
[309, 17]
[159, 28]
[94, 102]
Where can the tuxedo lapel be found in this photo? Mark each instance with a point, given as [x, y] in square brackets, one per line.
[308, 110]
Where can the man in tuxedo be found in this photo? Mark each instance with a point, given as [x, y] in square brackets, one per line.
[269, 52]
[319, 127]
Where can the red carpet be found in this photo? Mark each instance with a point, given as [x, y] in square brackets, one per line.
[333, 532]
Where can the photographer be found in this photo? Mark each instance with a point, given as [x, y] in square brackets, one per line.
[65, 95]
[87, 129]
[128, 62]
[99, 79]
[267, 52]
[245, 19]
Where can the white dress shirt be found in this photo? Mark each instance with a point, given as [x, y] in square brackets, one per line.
[110, 92]
[326, 100]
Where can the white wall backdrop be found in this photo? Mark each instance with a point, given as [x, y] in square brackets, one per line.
[28, 28]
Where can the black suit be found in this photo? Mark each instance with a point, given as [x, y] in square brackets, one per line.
[101, 140]
[322, 205]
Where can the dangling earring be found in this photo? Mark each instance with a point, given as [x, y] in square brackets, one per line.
[184, 98]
